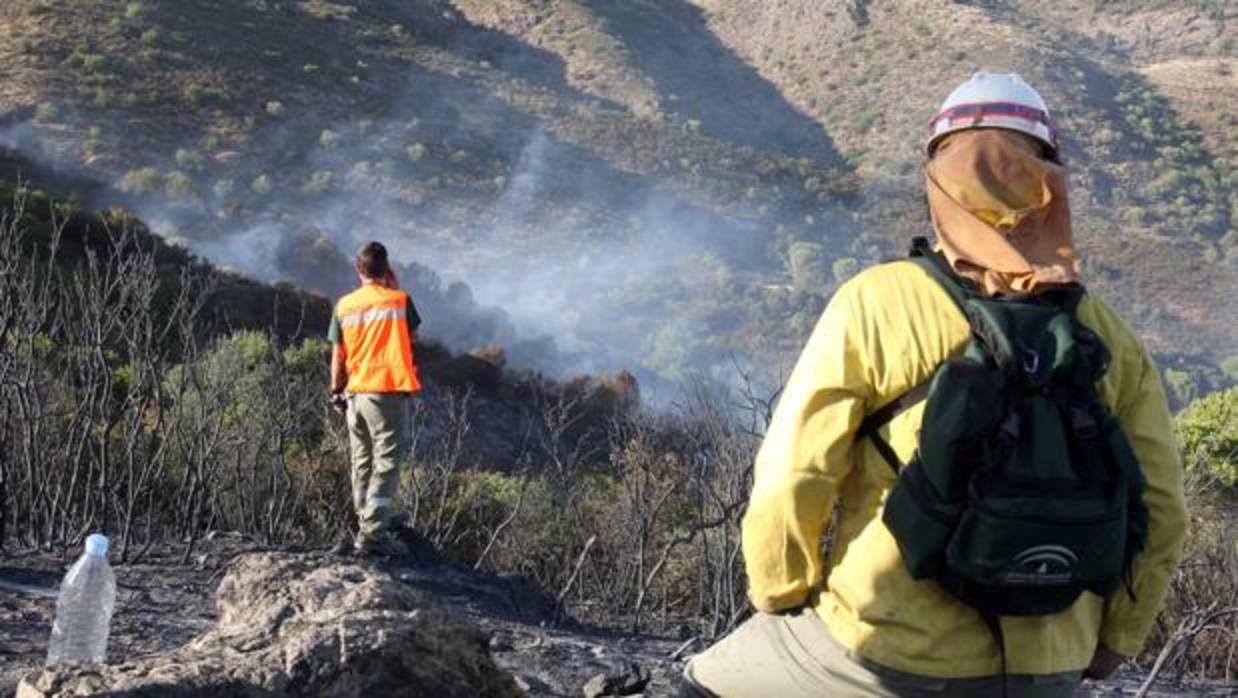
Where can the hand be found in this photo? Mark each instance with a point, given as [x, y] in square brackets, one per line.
[338, 402]
[1104, 662]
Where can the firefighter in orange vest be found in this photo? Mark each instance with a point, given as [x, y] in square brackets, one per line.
[374, 375]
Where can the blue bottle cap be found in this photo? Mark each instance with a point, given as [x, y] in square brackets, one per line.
[96, 544]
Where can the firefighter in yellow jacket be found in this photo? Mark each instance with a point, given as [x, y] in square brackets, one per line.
[854, 622]
[373, 372]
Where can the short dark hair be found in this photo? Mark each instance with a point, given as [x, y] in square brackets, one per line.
[372, 260]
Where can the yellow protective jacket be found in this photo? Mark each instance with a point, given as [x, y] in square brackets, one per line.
[883, 333]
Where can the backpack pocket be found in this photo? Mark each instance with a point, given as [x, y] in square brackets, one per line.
[920, 521]
[1003, 545]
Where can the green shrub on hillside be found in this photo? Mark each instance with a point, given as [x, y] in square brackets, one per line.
[262, 184]
[1214, 8]
[1181, 386]
[318, 182]
[45, 113]
[1191, 190]
[144, 180]
[93, 141]
[224, 188]
[1189, 377]
[41, 7]
[189, 159]
[808, 266]
[328, 10]
[845, 268]
[193, 93]
[1209, 433]
[94, 62]
[1229, 367]
[178, 185]
[103, 98]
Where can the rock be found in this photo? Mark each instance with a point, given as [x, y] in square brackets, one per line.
[500, 644]
[298, 625]
[593, 688]
[627, 681]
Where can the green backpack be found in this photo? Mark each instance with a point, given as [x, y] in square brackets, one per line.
[1023, 491]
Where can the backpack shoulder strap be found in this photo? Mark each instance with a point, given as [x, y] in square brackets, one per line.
[870, 427]
[935, 264]
[938, 268]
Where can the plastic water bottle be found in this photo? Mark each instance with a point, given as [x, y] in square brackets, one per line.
[84, 608]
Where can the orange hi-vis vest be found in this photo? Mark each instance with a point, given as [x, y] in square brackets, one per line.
[378, 347]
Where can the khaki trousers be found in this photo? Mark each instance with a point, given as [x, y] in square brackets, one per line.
[378, 438]
[793, 655]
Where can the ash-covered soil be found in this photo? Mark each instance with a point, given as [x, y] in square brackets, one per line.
[160, 602]
[163, 602]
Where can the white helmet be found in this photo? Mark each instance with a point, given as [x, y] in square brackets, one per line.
[994, 100]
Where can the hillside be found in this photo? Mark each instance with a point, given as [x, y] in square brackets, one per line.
[667, 186]
[231, 319]
[569, 186]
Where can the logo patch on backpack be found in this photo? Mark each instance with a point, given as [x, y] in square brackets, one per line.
[1042, 565]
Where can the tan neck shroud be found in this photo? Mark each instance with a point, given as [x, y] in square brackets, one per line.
[1001, 213]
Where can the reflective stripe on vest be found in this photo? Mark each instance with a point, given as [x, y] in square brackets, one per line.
[377, 344]
[372, 315]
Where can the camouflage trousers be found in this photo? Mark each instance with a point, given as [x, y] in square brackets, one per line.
[378, 437]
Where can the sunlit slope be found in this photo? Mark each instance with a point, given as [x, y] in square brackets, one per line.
[669, 182]
[1151, 154]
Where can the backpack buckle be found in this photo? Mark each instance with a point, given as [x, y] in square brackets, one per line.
[1031, 362]
[1083, 423]
[1012, 426]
